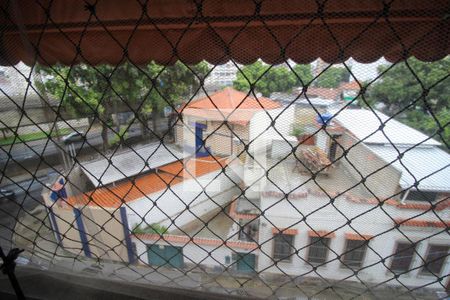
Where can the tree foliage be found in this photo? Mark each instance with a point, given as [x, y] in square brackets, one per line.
[401, 85]
[267, 79]
[332, 77]
[98, 91]
[154, 228]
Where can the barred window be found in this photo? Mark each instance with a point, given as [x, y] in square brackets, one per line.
[283, 247]
[355, 251]
[318, 250]
[435, 259]
[403, 255]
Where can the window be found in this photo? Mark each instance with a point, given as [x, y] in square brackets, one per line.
[354, 253]
[416, 195]
[435, 259]
[283, 245]
[401, 261]
[318, 250]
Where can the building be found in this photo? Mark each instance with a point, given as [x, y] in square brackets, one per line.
[221, 76]
[356, 190]
[306, 107]
[225, 121]
[100, 221]
[349, 90]
[314, 214]
[336, 222]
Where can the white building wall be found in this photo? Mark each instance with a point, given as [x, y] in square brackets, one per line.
[262, 133]
[264, 138]
[186, 200]
[371, 222]
[322, 140]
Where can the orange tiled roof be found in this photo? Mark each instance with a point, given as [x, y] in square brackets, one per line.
[321, 233]
[422, 223]
[194, 166]
[184, 239]
[358, 237]
[115, 196]
[352, 85]
[237, 107]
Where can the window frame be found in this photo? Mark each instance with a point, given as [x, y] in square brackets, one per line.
[346, 264]
[287, 258]
[317, 244]
[411, 262]
[423, 270]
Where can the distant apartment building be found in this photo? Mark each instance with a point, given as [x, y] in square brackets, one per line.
[221, 76]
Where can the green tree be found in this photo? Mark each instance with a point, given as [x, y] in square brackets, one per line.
[399, 88]
[332, 77]
[98, 91]
[271, 79]
[173, 85]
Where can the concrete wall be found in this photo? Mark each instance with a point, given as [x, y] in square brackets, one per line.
[306, 115]
[221, 141]
[383, 182]
[262, 133]
[103, 227]
[70, 236]
[105, 233]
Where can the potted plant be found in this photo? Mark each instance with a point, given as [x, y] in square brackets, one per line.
[302, 136]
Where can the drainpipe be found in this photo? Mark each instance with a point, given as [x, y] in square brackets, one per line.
[404, 197]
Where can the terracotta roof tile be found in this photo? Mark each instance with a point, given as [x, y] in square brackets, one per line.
[194, 166]
[235, 106]
[352, 85]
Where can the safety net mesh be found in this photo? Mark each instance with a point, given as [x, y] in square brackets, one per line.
[273, 149]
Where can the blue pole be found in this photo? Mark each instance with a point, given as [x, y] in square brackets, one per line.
[126, 233]
[82, 231]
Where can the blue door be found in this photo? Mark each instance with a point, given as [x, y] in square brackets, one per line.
[159, 255]
[200, 149]
[198, 137]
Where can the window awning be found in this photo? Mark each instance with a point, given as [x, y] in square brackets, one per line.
[70, 31]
